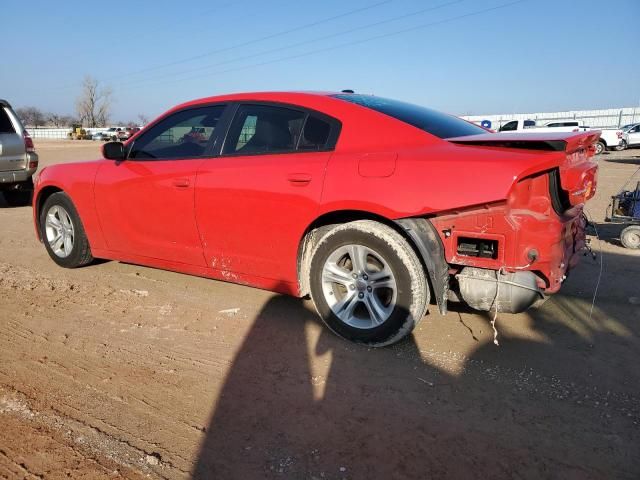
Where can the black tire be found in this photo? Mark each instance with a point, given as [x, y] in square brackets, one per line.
[630, 237]
[622, 146]
[601, 147]
[80, 254]
[18, 198]
[412, 297]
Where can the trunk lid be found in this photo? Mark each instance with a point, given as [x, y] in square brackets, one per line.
[573, 161]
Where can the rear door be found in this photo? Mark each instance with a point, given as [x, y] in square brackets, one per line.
[146, 203]
[12, 150]
[254, 201]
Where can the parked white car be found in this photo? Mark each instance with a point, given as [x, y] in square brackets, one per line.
[632, 134]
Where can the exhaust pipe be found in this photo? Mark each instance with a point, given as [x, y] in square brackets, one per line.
[516, 293]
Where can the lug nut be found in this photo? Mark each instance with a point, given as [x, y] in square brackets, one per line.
[352, 286]
[361, 295]
[369, 289]
[355, 275]
[365, 276]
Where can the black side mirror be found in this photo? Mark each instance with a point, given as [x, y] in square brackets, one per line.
[113, 151]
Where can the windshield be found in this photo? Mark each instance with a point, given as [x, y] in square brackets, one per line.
[431, 121]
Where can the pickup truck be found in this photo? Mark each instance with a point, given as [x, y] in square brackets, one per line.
[530, 125]
[609, 138]
[18, 158]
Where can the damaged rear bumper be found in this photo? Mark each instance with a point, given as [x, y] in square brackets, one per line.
[532, 256]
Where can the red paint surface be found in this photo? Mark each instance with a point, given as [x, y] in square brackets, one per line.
[242, 218]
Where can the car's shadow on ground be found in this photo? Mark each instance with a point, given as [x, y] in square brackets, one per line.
[22, 199]
[558, 402]
[632, 158]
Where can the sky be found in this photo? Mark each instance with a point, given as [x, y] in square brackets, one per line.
[459, 56]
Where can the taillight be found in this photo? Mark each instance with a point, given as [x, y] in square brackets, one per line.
[28, 143]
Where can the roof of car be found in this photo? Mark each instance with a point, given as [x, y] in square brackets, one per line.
[4, 103]
[281, 96]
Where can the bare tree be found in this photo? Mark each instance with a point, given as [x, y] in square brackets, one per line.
[56, 120]
[94, 103]
[142, 119]
[31, 116]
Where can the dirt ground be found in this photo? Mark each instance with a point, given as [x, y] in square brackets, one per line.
[121, 371]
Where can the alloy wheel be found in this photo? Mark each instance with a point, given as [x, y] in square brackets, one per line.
[59, 231]
[359, 286]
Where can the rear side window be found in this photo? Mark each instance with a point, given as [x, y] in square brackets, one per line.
[529, 123]
[5, 122]
[431, 121]
[260, 129]
[315, 134]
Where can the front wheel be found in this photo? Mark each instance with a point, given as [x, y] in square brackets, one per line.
[367, 283]
[630, 237]
[62, 232]
[600, 148]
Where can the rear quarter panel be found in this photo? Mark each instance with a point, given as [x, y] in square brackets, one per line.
[429, 179]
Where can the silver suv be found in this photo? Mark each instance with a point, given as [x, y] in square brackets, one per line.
[18, 158]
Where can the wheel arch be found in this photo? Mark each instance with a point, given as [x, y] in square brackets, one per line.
[38, 202]
[418, 232]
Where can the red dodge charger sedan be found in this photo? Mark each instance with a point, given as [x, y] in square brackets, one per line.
[371, 206]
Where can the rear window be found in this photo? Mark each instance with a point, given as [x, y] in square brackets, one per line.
[5, 122]
[431, 121]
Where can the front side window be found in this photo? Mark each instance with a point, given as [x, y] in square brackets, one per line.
[184, 134]
[260, 129]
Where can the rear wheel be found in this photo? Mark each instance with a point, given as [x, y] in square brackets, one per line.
[367, 283]
[600, 148]
[620, 147]
[630, 237]
[62, 232]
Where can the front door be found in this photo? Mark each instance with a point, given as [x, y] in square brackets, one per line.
[146, 203]
[254, 201]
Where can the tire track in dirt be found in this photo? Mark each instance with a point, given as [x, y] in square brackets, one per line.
[63, 365]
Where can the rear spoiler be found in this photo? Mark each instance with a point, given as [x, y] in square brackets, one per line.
[552, 141]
